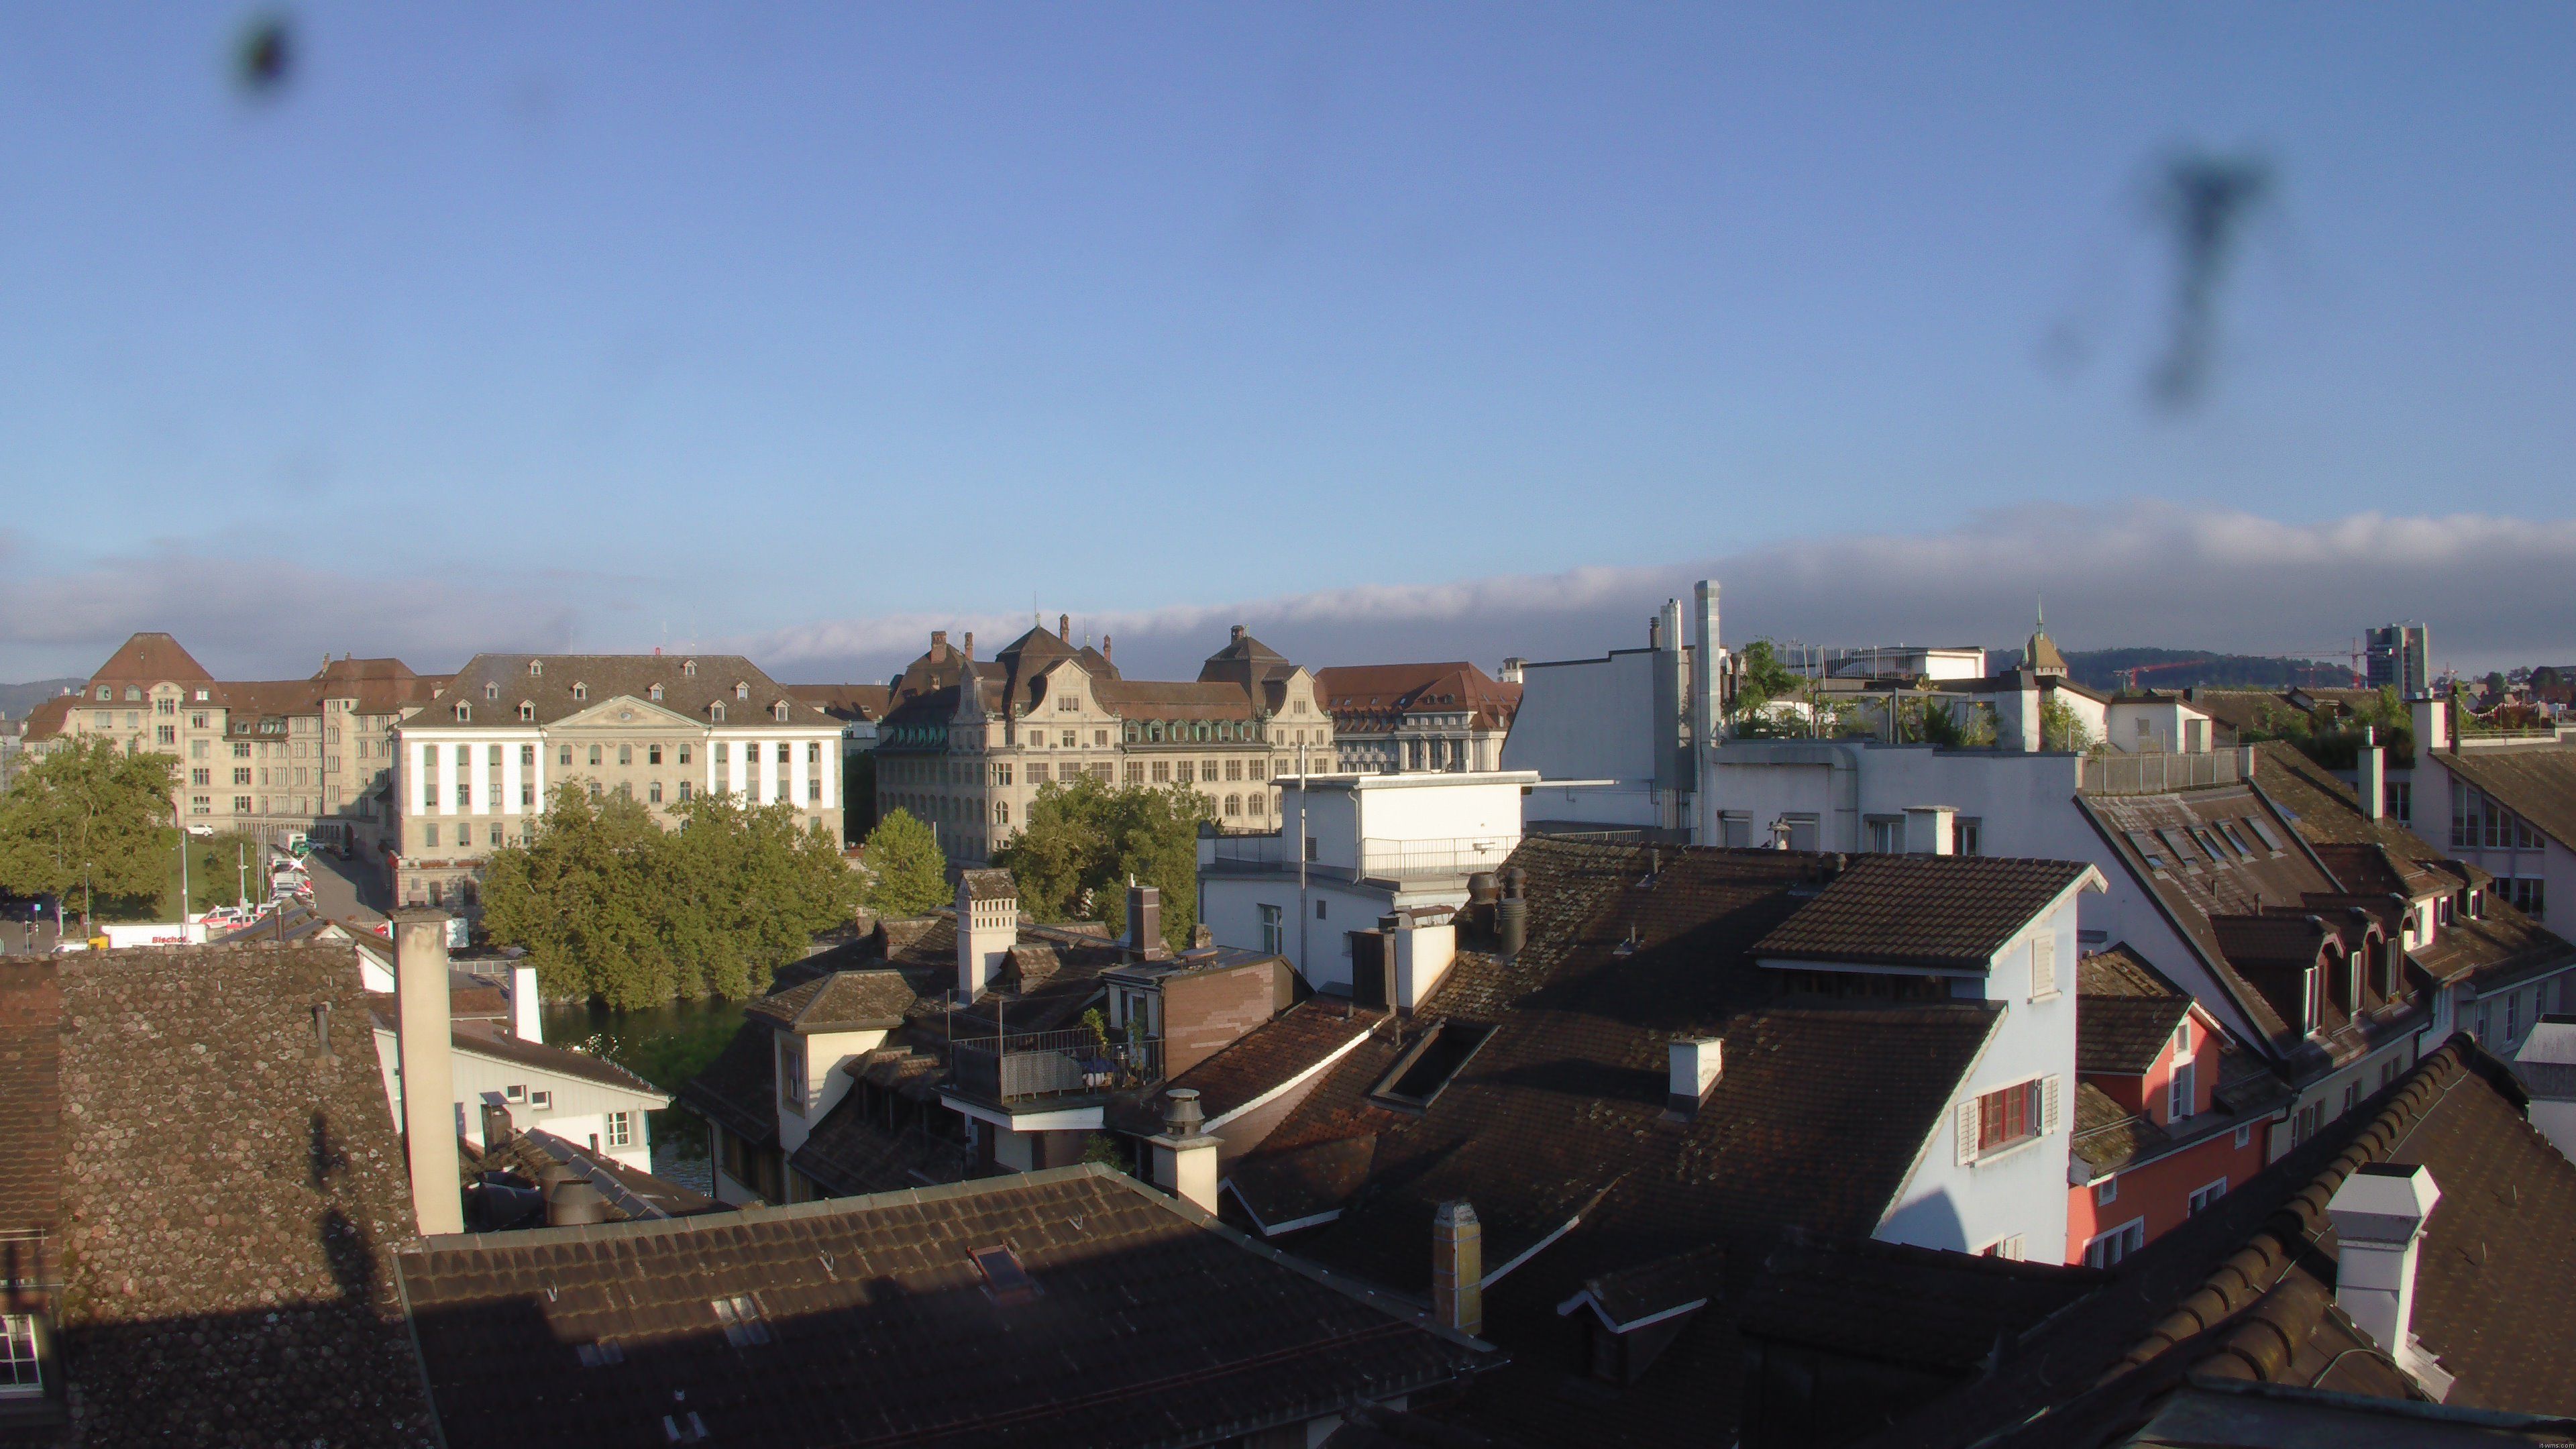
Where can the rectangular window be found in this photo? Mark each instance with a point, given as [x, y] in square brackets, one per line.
[2182, 1091]
[1162, 771]
[165, 734]
[791, 1075]
[527, 797]
[783, 757]
[429, 836]
[527, 757]
[1802, 831]
[1256, 769]
[1319, 910]
[2007, 1117]
[813, 790]
[496, 835]
[563, 755]
[1234, 769]
[201, 805]
[21, 1376]
[621, 1129]
[241, 775]
[1002, 774]
[1037, 775]
[653, 792]
[1186, 771]
[2106, 1192]
[684, 789]
[541, 1101]
[2245, 1135]
[1273, 930]
[720, 752]
[2043, 968]
[1135, 772]
[2203, 1199]
[684, 754]
[813, 753]
[241, 751]
[1735, 830]
[1887, 834]
[201, 777]
[241, 804]
[1069, 740]
[464, 794]
[2109, 1248]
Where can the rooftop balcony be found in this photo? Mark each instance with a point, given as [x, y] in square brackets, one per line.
[2153, 774]
[1031, 1066]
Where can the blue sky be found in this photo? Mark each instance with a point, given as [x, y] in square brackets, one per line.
[600, 326]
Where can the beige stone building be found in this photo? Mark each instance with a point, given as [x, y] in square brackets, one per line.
[475, 771]
[1392, 719]
[969, 743]
[265, 757]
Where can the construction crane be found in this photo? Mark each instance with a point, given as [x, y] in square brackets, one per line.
[2129, 676]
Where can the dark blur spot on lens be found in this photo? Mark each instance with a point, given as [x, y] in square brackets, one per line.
[265, 56]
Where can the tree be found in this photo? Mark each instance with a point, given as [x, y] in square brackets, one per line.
[1086, 840]
[92, 818]
[911, 874]
[2060, 728]
[610, 905]
[1760, 680]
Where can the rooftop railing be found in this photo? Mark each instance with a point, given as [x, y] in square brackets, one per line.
[2157, 774]
[1379, 859]
[1029, 1065]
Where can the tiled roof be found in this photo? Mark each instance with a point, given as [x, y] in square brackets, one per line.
[2123, 1035]
[2240, 1288]
[2108, 1136]
[627, 1195]
[31, 1151]
[148, 659]
[604, 677]
[989, 885]
[232, 1197]
[1630, 1295]
[848, 1155]
[841, 1001]
[1560, 1115]
[1275, 1052]
[488, 1039]
[869, 1321]
[1932, 910]
[2119, 970]
[1359, 695]
[847, 701]
[1921, 1308]
[48, 719]
[2537, 783]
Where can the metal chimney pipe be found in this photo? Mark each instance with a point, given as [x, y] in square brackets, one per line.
[425, 1039]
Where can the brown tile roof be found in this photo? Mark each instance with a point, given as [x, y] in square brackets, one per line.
[604, 677]
[2108, 1136]
[847, 701]
[1953, 911]
[2241, 1289]
[1892, 1303]
[1817, 1119]
[870, 1321]
[989, 885]
[2123, 1035]
[2119, 970]
[31, 1150]
[2537, 783]
[628, 1195]
[1362, 695]
[841, 1001]
[1275, 1052]
[48, 720]
[232, 1198]
[148, 659]
[847, 1154]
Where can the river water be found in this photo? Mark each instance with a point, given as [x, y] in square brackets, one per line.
[665, 1045]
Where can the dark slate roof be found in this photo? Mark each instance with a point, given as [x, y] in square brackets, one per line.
[2108, 1137]
[1150, 1323]
[2123, 1035]
[233, 1197]
[1928, 910]
[605, 677]
[1819, 1116]
[2537, 783]
[1920, 1308]
[1631, 1296]
[842, 1001]
[847, 1154]
[989, 885]
[1274, 1052]
[2244, 1289]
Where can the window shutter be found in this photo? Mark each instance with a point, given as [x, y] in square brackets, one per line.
[1967, 1132]
[2048, 1104]
[2043, 967]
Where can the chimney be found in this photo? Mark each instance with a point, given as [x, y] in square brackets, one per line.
[1064, 626]
[425, 1041]
[1237, 635]
[1655, 633]
[527, 1016]
[2379, 1217]
[1930, 829]
[497, 1127]
[938, 640]
[988, 926]
[1695, 1064]
[2370, 775]
[2031, 735]
[1512, 668]
[573, 1202]
[1184, 1157]
[969, 650]
[2432, 719]
[1458, 1268]
[1145, 920]
[1511, 914]
[1104, 646]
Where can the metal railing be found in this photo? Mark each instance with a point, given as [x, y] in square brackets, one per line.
[1379, 858]
[1022, 1065]
[2157, 774]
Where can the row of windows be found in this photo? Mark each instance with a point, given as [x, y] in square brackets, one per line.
[2478, 822]
[653, 752]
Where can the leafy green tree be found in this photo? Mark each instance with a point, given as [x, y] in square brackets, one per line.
[609, 905]
[1760, 679]
[2060, 728]
[92, 819]
[911, 874]
[1084, 842]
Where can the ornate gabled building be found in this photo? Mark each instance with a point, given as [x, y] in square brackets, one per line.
[969, 743]
[1397, 718]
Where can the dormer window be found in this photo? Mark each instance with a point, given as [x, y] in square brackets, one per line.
[536, 666]
[715, 711]
[581, 691]
[778, 711]
[491, 691]
[464, 713]
[655, 694]
[741, 690]
[527, 711]
[689, 668]
[106, 693]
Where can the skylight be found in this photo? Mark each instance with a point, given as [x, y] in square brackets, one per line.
[2265, 831]
[1420, 1075]
[740, 1316]
[2146, 846]
[1005, 1280]
[2234, 840]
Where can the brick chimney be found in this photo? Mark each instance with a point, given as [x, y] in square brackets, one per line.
[2379, 1216]
[969, 650]
[1145, 921]
[425, 1042]
[1104, 646]
[1064, 626]
[1458, 1267]
[1184, 1156]
[938, 640]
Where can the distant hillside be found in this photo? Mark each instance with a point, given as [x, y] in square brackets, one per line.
[2101, 669]
[17, 699]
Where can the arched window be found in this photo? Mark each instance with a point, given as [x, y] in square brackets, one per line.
[491, 691]
[131, 692]
[581, 691]
[654, 694]
[527, 711]
[1001, 812]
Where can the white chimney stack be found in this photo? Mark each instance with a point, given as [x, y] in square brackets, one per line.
[425, 1042]
[1696, 1064]
[1183, 1157]
[527, 1018]
[2379, 1216]
[988, 926]
[1458, 1268]
[2370, 775]
[1930, 829]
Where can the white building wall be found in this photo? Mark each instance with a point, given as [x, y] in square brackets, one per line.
[2020, 1191]
[577, 1111]
[1592, 719]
